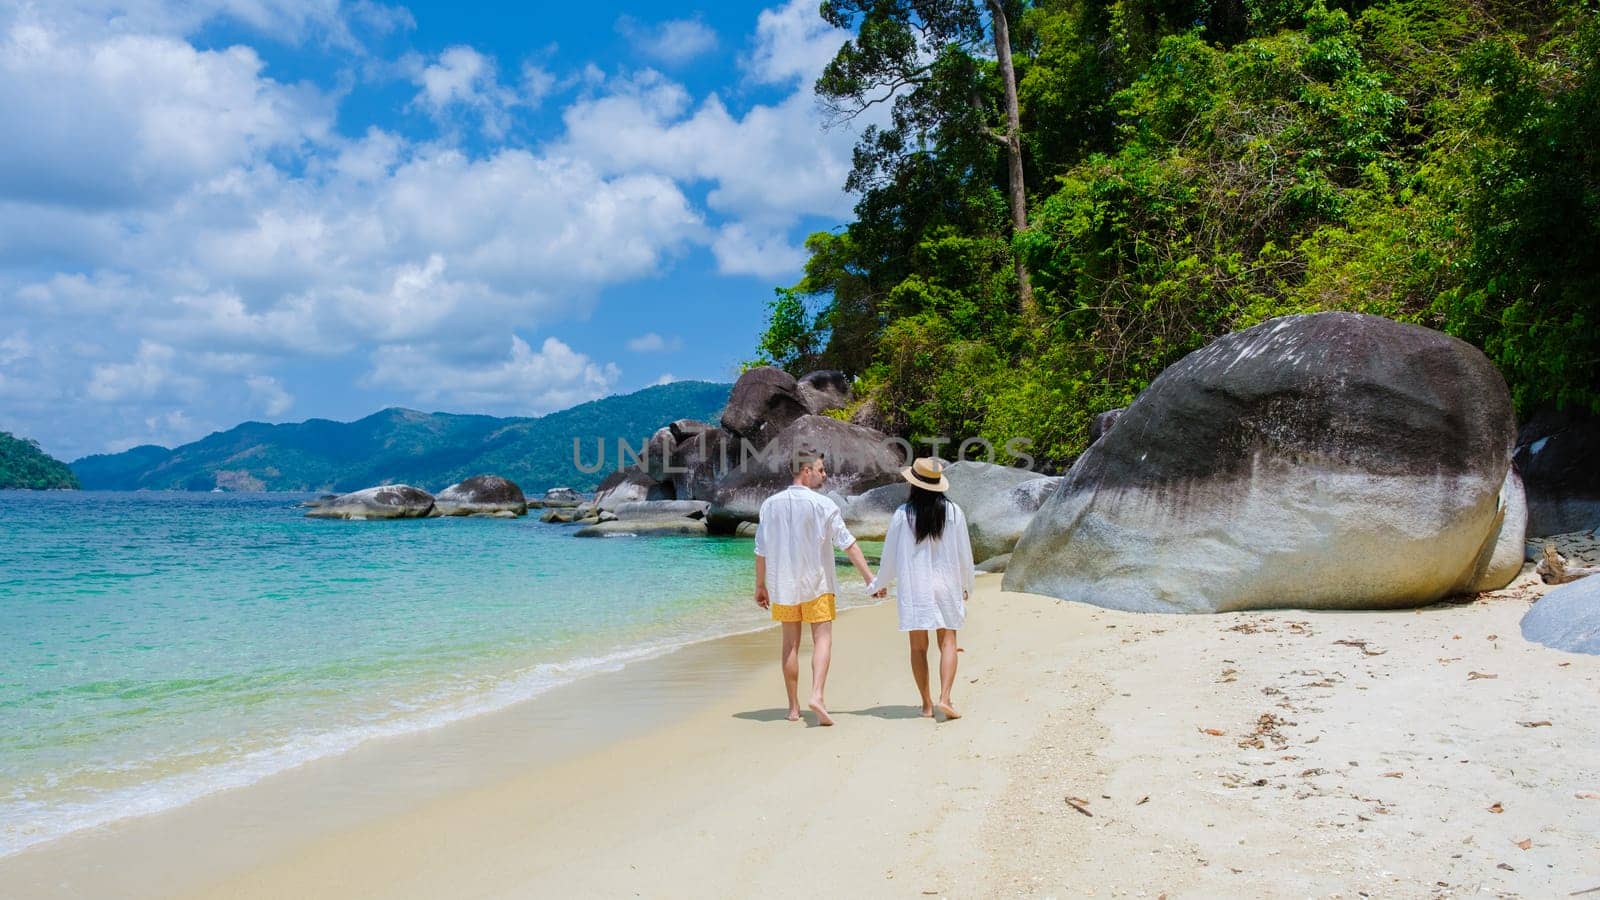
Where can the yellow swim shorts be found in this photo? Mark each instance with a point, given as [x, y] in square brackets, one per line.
[811, 611]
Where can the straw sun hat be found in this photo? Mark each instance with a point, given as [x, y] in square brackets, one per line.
[927, 473]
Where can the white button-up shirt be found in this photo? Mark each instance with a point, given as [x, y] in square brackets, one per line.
[935, 576]
[797, 533]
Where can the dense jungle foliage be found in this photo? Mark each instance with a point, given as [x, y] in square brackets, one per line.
[24, 466]
[1194, 167]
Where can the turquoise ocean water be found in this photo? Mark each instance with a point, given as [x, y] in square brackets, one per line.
[155, 648]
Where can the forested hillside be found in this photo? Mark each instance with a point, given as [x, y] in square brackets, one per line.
[1190, 169]
[24, 465]
[429, 450]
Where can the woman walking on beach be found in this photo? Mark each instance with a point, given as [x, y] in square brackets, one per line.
[928, 552]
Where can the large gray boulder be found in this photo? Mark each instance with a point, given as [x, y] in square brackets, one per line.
[870, 415]
[857, 459]
[867, 515]
[558, 497]
[390, 501]
[628, 486]
[993, 564]
[824, 390]
[689, 456]
[1102, 423]
[1558, 454]
[764, 402]
[662, 509]
[661, 527]
[1333, 460]
[999, 502]
[481, 495]
[1567, 618]
[1504, 559]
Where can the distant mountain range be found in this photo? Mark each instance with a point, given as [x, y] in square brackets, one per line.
[24, 465]
[428, 450]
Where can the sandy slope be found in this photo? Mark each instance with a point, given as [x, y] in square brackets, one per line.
[1376, 772]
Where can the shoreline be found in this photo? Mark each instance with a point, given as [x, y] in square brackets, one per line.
[242, 773]
[1277, 753]
[567, 719]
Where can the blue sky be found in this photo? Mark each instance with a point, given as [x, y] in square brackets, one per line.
[221, 210]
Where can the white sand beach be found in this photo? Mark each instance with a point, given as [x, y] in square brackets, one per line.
[1422, 753]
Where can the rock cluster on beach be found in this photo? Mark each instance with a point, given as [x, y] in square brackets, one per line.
[735, 464]
[481, 495]
[725, 470]
[1332, 460]
[391, 501]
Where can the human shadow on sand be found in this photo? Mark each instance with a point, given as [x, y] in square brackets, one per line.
[763, 715]
[883, 712]
[779, 714]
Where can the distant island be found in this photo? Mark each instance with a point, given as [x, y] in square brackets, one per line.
[23, 465]
[429, 450]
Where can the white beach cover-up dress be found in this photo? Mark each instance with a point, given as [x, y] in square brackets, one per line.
[934, 576]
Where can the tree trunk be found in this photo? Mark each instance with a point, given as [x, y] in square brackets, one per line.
[1018, 189]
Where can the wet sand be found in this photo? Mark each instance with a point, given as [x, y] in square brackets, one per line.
[1108, 754]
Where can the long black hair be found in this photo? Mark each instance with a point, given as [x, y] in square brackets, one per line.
[927, 513]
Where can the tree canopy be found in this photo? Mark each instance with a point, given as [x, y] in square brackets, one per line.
[1194, 167]
[24, 465]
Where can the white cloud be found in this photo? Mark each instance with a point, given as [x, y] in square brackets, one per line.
[740, 250]
[175, 224]
[538, 83]
[650, 342]
[148, 374]
[136, 119]
[381, 19]
[524, 380]
[462, 79]
[666, 378]
[270, 396]
[287, 20]
[441, 245]
[673, 42]
[759, 169]
[14, 349]
[792, 45]
[168, 428]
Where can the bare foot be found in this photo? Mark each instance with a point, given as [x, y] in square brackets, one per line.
[948, 710]
[927, 711]
[822, 714]
[794, 715]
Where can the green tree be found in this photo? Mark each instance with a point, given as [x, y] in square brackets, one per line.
[24, 465]
[792, 337]
[925, 57]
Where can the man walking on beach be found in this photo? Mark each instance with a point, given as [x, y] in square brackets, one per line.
[795, 539]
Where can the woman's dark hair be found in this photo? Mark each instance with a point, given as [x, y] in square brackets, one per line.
[927, 513]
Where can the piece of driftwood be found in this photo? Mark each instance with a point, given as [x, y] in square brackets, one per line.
[1554, 568]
